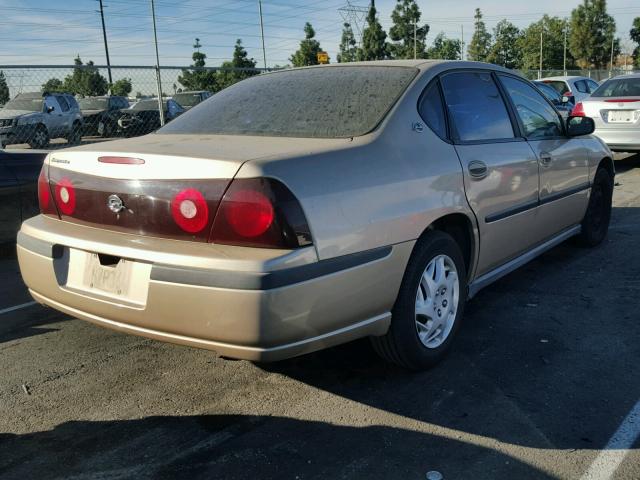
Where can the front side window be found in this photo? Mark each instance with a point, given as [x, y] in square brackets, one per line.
[477, 108]
[322, 102]
[52, 102]
[432, 110]
[538, 118]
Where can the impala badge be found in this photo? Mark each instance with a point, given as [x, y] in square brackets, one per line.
[115, 203]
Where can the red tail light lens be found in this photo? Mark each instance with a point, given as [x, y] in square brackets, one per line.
[578, 110]
[44, 194]
[260, 212]
[190, 210]
[65, 196]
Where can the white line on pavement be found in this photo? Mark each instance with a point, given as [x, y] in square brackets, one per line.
[17, 307]
[606, 463]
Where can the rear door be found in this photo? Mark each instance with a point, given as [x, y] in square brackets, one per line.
[500, 169]
[564, 161]
[68, 115]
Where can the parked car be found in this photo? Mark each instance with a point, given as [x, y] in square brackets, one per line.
[36, 118]
[264, 228]
[562, 103]
[191, 99]
[575, 88]
[144, 116]
[615, 109]
[19, 172]
[101, 114]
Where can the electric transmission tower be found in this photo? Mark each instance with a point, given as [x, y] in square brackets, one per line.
[355, 16]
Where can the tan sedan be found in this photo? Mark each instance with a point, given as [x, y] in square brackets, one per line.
[305, 208]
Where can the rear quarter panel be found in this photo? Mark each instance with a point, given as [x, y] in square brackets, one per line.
[384, 188]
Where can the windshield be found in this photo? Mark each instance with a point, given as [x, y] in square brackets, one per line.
[619, 87]
[324, 102]
[93, 104]
[187, 99]
[151, 104]
[28, 104]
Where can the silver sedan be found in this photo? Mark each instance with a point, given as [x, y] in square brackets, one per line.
[615, 109]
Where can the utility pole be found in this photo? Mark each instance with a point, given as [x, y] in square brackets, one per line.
[613, 41]
[564, 64]
[415, 41]
[540, 70]
[264, 51]
[106, 47]
[158, 80]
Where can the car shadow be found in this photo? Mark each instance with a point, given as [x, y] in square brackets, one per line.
[242, 447]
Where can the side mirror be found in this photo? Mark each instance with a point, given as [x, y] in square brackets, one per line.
[565, 99]
[579, 126]
[50, 108]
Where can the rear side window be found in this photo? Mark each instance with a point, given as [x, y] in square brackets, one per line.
[431, 110]
[320, 102]
[63, 103]
[581, 86]
[538, 118]
[477, 108]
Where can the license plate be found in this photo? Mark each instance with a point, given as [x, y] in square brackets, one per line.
[113, 279]
[621, 116]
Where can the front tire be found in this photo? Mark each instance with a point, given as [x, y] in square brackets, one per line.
[595, 224]
[40, 138]
[429, 306]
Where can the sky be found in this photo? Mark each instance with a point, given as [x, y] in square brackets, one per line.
[50, 32]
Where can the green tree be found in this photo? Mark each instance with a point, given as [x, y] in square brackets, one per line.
[505, 50]
[4, 89]
[553, 31]
[85, 80]
[634, 34]
[54, 85]
[122, 87]
[592, 33]
[480, 44]
[374, 38]
[444, 48]
[348, 49]
[197, 77]
[405, 30]
[307, 54]
[240, 60]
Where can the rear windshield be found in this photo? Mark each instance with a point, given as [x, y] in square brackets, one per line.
[151, 104]
[93, 104]
[558, 85]
[619, 87]
[325, 102]
[187, 99]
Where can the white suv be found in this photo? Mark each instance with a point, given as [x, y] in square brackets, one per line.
[36, 118]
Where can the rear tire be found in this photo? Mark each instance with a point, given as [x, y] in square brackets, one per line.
[432, 296]
[595, 224]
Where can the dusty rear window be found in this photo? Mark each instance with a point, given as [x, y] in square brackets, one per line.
[327, 102]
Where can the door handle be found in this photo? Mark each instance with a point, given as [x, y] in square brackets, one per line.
[478, 169]
[545, 159]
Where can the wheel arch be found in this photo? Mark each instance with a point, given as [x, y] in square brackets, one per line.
[607, 164]
[462, 228]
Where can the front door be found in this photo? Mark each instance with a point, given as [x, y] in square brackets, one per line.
[500, 169]
[564, 161]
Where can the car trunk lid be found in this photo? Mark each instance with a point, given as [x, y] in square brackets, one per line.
[615, 113]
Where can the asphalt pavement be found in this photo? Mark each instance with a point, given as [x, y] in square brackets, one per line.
[542, 384]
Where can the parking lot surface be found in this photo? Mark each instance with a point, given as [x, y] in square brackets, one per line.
[542, 378]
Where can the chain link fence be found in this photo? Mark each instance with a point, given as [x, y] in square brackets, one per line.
[54, 106]
[50, 107]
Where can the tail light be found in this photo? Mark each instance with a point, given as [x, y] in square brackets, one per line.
[190, 210]
[47, 206]
[578, 110]
[260, 212]
[65, 196]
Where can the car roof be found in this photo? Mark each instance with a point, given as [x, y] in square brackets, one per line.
[628, 75]
[568, 77]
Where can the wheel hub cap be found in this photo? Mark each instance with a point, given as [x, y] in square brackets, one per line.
[437, 301]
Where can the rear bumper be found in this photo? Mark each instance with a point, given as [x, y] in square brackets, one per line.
[623, 140]
[264, 314]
